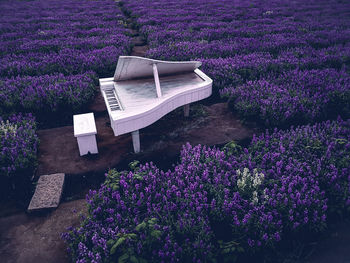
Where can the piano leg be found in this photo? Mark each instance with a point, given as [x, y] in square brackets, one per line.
[187, 110]
[136, 141]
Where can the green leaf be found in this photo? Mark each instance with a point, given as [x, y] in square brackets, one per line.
[132, 236]
[133, 259]
[226, 251]
[156, 233]
[116, 245]
[341, 141]
[152, 221]
[123, 258]
[140, 226]
[138, 177]
[113, 249]
[240, 249]
[120, 241]
[142, 260]
[110, 242]
[134, 164]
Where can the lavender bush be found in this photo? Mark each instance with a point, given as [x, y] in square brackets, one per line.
[252, 50]
[324, 147]
[144, 215]
[51, 61]
[18, 149]
[217, 203]
[47, 94]
[297, 96]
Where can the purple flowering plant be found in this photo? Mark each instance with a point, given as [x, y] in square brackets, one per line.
[297, 96]
[47, 94]
[18, 149]
[215, 204]
[51, 62]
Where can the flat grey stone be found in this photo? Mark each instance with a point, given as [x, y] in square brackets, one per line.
[48, 192]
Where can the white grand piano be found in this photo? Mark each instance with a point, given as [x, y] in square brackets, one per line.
[144, 90]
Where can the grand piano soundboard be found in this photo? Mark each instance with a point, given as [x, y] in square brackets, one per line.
[144, 90]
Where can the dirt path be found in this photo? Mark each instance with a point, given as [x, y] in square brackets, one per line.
[32, 238]
[58, 151]
[334, 248]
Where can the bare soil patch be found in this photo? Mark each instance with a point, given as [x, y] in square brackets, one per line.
[37, 238]
[59, 153]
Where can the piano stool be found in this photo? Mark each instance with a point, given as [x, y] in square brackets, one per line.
[85, 132]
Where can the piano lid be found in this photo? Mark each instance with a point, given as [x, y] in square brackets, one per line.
[132, 67]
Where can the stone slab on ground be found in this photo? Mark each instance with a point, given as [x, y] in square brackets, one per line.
[48, 192]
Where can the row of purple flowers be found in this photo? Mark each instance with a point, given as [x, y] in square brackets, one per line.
[51, 61]
[297, 96]
[217, 203]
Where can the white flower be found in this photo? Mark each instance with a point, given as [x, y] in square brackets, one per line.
[268, 13]
[250, 183]
[265, 195]
[7, 127]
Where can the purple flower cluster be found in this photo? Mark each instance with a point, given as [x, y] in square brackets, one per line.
[241, 44]
[297, 96]
[18, 147]
[51, 50]
[124, 208]
[48, 93]
[217, 202]
[323, 147]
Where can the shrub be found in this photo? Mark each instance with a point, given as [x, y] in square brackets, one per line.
[324, 147]
[295, 97]
[47, 95]
[18, 148]
[216, 203]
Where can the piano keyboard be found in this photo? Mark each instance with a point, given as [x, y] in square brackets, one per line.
[112, 100]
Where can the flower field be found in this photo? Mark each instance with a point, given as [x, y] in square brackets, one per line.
[215, 204]
[268, 58]
[280, 65]
[52, 53]
[285, 65]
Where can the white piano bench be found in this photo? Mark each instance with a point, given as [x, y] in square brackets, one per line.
[85, 132]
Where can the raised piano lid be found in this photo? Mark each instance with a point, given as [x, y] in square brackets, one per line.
[132, 67]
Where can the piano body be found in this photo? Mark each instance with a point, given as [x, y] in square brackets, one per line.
[144, 90]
